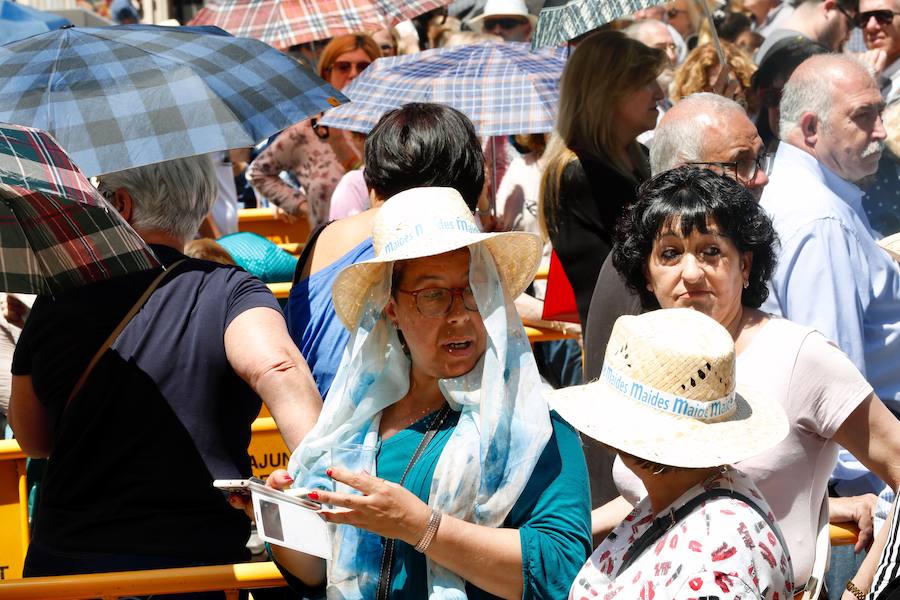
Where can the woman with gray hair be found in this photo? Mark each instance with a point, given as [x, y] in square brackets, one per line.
[181, 357]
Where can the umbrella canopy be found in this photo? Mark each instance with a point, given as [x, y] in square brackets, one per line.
[285, 23]
[563, 20]
[122, 97]
[18, 21]
[56, 231]
[504, 88]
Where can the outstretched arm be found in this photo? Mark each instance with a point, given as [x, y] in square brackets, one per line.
[262, 353]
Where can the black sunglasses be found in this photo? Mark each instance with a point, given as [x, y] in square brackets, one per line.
[344, 66]
[883, 17]
[503, 23]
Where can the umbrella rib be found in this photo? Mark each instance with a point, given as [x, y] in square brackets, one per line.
[53, 71]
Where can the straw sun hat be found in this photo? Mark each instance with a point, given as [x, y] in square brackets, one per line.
[667, 394]
[428, 221]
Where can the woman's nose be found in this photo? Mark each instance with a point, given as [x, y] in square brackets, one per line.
[691, 269]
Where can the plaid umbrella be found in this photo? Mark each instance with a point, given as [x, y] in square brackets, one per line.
[122, 97]
[563, 20]
[56, 231]
[502, 87]
[285, 23]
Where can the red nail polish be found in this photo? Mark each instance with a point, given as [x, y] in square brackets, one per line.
[313, 495]
[329, 471]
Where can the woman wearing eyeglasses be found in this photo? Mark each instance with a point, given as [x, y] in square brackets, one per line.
[316, 156]
[474, 489]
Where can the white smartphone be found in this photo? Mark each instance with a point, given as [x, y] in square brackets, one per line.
[237, 486]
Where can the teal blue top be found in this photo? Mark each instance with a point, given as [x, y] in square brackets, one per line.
[552, 514]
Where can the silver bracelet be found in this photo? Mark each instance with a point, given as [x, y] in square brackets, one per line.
[430, 531]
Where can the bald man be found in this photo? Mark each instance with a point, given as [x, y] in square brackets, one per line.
[704, 129]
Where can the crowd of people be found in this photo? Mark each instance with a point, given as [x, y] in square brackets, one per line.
[716, 190]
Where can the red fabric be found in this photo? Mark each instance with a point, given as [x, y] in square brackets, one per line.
[559, 301]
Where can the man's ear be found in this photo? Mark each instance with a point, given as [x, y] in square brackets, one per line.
[123, 203]
[809, 129]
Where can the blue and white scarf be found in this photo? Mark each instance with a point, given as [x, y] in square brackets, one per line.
[502, 430]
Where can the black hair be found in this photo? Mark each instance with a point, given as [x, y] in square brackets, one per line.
[691, 197]
[422, 144]
[730, 25]
[779, 64]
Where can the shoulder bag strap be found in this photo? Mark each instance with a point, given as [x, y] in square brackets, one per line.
[115, 333]
[663, 524]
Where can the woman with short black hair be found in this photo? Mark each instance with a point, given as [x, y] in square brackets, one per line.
[696, 239]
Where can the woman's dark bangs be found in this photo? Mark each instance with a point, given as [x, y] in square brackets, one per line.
[682, 213]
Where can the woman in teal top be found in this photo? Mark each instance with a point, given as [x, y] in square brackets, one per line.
[438, 372]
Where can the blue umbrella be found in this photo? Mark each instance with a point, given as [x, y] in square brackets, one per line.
[18, 21]
[504, 88]
[122, 97]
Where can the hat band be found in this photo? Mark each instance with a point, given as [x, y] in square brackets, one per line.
[707, 411]
[431, 230]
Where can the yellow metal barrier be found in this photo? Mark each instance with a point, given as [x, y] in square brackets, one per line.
[13, 510]
[267, 449]
[843, 534]
[229, 578]
[262, 221]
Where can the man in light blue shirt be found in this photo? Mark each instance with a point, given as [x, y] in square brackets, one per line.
[831, 273]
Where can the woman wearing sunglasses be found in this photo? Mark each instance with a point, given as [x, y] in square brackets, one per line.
[317, 156]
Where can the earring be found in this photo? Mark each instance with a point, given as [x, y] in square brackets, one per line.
[660, 470]
[746, 284]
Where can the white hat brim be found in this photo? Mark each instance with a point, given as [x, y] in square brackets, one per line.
[601, 413]
[476, 24]
[517, 255]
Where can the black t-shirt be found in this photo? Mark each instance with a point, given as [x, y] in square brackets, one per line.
[161, 416]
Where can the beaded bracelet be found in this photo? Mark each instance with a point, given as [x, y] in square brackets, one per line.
[430, 531]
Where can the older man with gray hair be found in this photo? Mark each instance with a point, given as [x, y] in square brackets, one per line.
[831, 273]
[137, 440]
[703, 129]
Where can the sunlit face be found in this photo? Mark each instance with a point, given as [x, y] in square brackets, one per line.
[704, 271]
[347, 67]
[883, 36]
[851, 141]
[638, 110]
[734, 138]
[439, 347]
[658, 36]
[512, 28]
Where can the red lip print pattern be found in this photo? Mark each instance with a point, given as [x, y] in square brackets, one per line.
[722, 550]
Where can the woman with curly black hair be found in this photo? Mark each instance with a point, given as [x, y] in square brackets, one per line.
[696, 239]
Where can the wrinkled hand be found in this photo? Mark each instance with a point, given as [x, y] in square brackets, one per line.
[858, 510]
[282, 215]
[876, 59]
[386, 509]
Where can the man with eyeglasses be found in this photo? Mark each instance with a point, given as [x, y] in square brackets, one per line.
[509, 19]
[880, 22]
[706, 130]
[825, 22]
